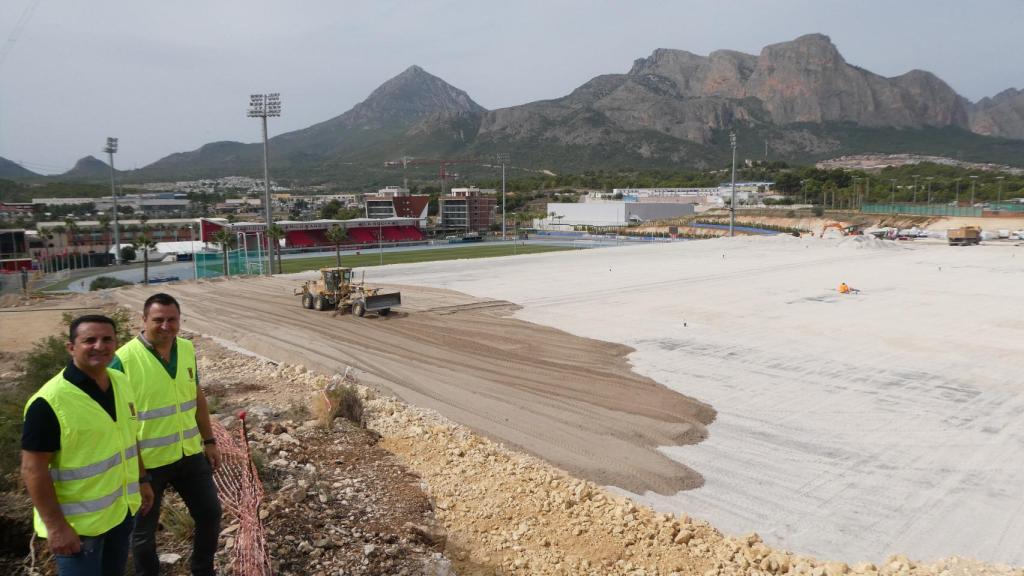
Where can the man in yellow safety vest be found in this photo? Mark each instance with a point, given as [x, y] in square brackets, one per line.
[80, 457]
[175, 436]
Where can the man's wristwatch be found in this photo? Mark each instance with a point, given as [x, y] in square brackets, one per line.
[146, 478]
[209, 441]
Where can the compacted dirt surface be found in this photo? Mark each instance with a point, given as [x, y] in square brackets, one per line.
[571, 401]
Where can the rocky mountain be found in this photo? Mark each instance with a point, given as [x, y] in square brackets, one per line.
[1002, 115]
[801, 99]
[405, 108]
[690, 97]
[88, 168]
[13, 171]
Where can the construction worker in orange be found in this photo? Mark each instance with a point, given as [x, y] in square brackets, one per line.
[844, 288]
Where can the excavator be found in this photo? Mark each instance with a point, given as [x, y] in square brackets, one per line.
[843, 229]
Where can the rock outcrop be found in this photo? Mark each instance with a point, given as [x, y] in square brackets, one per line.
[1002, 115]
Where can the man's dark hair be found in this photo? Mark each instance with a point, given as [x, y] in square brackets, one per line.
[160, 298]
[88, 319]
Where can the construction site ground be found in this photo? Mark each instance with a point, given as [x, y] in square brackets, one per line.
[721, 379]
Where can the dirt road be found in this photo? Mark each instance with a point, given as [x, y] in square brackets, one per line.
[570, 400]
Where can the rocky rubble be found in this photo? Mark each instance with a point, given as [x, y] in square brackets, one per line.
[335, 503]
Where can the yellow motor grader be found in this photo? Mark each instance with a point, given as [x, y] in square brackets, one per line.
[335, 290]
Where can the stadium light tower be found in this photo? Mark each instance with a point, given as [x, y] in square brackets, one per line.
[263, 106]
[110, 149]
[503, 157]
[732, 202]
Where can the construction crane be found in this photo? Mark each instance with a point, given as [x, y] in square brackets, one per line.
[407, 161]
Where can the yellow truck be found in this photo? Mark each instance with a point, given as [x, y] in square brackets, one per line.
[965, 236]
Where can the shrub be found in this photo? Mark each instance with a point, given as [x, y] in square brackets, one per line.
[128, 253]
[107, 282]
[338, 399]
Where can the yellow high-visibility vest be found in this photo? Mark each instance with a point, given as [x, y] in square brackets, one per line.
[96, 471]
[166, 405]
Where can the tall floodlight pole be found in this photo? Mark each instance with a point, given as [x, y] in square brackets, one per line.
[916, 176]
[892, 191]
[974, 179]
[503, 158]
[929, 179]
[192, 247]
[732, 202]
[263, 106]
[999, 198]
[110, 149]
[958, 192]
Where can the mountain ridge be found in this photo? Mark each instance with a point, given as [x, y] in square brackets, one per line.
[672, 107]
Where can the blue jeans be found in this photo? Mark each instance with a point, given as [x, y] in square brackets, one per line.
[192, 479]
[103, 555]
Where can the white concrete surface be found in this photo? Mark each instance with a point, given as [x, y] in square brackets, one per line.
[849, 427]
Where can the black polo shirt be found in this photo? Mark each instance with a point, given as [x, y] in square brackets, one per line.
[41, 432]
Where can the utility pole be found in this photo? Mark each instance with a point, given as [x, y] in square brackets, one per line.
[916, 176]
[958, 192]
[110, 149]
[999, 198]
[261, 106]
[929, 179]
[892, 192]
[503, 157]
[974, 180]
[732, 203]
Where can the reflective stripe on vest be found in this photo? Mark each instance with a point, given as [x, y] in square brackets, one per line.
[166, 410]
[95, 472]
[72, 508]
[167, 440]
[92, 469]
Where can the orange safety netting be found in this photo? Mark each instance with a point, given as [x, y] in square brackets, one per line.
[241, 494]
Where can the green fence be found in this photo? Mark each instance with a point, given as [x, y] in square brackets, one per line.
[1006, 206]
[211, 264]
[920, 210]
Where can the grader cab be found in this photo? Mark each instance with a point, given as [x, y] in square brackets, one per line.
[335, 290]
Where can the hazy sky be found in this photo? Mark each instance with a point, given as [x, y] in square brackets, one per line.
[169, 77]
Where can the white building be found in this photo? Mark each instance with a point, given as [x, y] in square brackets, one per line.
[613, 213]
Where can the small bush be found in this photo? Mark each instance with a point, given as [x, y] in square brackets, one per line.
[338, 399]
[175, 518]
[104, 282]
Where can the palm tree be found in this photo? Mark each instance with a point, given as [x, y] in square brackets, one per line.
[145, 243]
[72, 236]
[275, 233]
[104, 221]
[226, 239]
[337, 235]
[61, 263]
